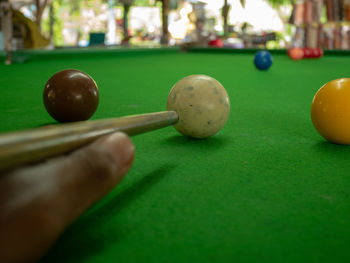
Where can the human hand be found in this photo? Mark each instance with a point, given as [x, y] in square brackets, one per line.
[37, 203]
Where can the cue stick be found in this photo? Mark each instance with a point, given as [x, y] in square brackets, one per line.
[31, 146]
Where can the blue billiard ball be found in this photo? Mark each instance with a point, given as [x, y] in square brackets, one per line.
[263, 60]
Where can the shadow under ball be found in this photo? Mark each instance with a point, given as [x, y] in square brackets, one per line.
[71, 95]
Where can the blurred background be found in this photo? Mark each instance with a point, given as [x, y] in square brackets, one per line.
[272, 24]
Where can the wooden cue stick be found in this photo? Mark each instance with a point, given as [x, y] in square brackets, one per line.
[30, 146]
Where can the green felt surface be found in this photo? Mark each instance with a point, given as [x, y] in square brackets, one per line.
[267, 188]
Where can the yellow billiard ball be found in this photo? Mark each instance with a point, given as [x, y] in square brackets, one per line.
[202, 104]
[330, 111]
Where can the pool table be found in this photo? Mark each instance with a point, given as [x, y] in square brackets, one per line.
[266, 188]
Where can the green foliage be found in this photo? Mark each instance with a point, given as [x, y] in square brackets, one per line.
[277, 3]
[142, 3]
[57, 25]
[74, 9]
[75, 6]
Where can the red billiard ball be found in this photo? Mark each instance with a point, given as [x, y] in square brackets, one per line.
[71, 95]
[320, 52]
[307, 52]
[216, 43]
[295, 53]
[315, 53]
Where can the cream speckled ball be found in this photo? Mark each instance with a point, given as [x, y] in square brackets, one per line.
[202, 104]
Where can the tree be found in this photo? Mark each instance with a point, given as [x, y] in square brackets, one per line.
[126, 4]
[165, 11]
[40, 7]
[225, 11]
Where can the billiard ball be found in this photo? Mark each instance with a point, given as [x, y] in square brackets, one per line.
[216, 43]
[263, 60]
[307, 52]
[71, 95]
[321, 52]
[202, 104]
[295, 53]
[330, 111]
[318, 52]
[314, 53]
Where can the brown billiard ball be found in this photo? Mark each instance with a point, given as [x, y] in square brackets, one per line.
[71, 95]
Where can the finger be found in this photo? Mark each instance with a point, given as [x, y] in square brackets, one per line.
[38, 203]
[91, 173]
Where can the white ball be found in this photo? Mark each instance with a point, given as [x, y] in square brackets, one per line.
[202, 104]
